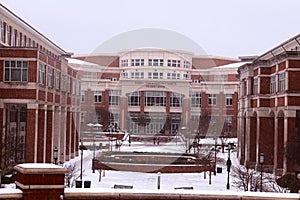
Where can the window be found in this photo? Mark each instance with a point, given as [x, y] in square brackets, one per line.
[69, 84]
[137, 75]
[282, 82]
[173, 63]
[82, 117]
[195, 116]
[1, 31]
[23, 40]
[137, 62]
[186, 64]
[57, 80]
[228, 120]
[114, 97]
[155, 98]
[18, 41]
[212, 99]
[98, 96]
[195, 99]
[155, 75]
[228, 99]
[74, 83]
[114, 120]
[82, 96]
[173, 75]
[64, 83]
[124, 75]
[42, 74]
[124, 63]
[186, 76]
[26, 42]
[134, 99]
[175, 100]
[155, 62]
[13, 37]
[273, 84]
[50, 77]
[16, 71]
[7, 36]
[255, 86]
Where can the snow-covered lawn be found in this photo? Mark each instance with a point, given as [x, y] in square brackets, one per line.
[149, 180]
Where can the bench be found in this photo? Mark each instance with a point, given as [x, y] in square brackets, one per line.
[184, 188]
[123, 186]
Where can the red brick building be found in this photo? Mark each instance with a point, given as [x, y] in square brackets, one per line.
[39, 96]
[155, 91]
[269, 109]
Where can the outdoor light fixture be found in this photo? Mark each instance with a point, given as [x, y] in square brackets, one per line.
[55, 155]
[216, 143]
[261, 162]
[228, 163]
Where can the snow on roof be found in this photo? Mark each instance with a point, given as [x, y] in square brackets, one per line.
[232, 65]
[79, 62]
[35, 168]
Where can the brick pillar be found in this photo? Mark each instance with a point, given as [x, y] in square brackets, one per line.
[40, 181]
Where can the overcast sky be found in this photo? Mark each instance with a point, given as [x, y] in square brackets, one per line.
[229, 28]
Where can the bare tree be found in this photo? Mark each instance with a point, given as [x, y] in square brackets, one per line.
[250, 180]
[73, 173]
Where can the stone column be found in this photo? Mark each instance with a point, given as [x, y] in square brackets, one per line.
[40, 180]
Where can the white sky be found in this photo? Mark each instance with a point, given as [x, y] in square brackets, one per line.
[226, 28]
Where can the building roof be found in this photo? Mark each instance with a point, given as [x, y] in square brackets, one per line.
[291, 44]
[33, 29]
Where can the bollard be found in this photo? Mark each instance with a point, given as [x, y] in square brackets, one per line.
[158, 180]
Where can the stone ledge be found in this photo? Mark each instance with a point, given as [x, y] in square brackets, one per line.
[39, 168]
[42, 187]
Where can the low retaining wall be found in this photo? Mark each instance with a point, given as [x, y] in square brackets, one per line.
[152, 168]
[46, 182]
[92, 194]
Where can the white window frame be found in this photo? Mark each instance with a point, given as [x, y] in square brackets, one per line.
[7, 35]
[42, 68]
[175, 99]
[98, 96]
[187, 64]
[155, 98]
[1, 31]
[195, 99]
[57, 80]
[273, 84]
[229, 100]
[82, 96]
[50, 72]
[15, 71]
[114, 97]
[124, 63]
[255, 86]
[282, 84]
[212, 99]
[173, 63]
[134, 99]
[137, 62]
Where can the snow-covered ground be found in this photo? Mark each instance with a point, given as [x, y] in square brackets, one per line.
[149, 180]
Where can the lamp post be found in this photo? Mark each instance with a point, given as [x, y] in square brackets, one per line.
[228, 163]
[215, 172]
[55, 155]
[261, 162]
[81, 147]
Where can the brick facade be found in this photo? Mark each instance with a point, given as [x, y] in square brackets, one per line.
[268, 110]
[36, 84]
